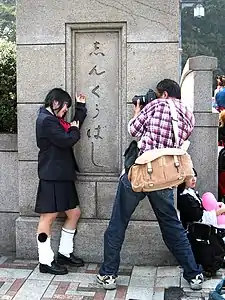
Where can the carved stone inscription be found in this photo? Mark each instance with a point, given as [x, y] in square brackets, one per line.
[96, 74]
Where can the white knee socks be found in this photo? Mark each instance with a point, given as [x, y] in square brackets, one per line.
[66, 242]
[46, 255]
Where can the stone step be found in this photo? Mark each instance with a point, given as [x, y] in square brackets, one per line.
[143, 244]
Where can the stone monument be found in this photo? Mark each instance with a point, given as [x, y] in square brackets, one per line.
[110, 50]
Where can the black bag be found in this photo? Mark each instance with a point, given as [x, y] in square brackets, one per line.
[130, 155]
[207, 245]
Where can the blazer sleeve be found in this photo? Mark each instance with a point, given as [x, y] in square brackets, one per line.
[80, 113]
[58, 136]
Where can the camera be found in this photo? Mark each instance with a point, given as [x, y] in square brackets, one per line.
[145, 99]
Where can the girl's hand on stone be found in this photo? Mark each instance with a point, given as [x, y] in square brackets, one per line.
[81, 98]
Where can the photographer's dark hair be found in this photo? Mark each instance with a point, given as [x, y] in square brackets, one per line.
[171, 87]
[58, 95]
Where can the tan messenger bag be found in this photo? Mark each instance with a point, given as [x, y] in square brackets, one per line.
[159, 169]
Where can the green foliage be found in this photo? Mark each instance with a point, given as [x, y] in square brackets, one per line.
[8, 120]
[8, 21]
[12, 2]
[206, 35]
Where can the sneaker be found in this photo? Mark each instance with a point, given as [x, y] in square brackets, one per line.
[196, 283]
[107, 281]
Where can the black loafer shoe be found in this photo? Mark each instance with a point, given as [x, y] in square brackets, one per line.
[55, 269]
[72, 260]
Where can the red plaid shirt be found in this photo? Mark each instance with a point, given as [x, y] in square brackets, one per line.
[154, 125]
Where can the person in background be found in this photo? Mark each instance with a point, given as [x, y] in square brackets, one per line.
[220, 95]
[189, 202]
[191, 206]
[57, 171]
[221, 130]
[219, 82]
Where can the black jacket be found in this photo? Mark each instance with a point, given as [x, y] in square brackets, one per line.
[191, 209]
[56, 159]
[221, 134]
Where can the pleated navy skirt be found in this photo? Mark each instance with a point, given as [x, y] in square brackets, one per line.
[56, 196]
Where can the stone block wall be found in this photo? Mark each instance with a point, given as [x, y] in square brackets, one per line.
[9, 194]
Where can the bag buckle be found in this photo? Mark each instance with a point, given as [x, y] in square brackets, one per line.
[176, 161]
[149, 168]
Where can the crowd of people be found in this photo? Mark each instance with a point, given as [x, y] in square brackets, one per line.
[219, 105]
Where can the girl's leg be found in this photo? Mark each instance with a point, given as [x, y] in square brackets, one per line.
[45, 223]
[67, 235]
[46, 255]
[73, 216]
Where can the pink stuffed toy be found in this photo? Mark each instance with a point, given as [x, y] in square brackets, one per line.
[209, 203]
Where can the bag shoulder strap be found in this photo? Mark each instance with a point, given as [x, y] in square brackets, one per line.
[174, 117]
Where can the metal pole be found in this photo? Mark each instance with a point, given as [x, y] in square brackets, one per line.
[180, 40]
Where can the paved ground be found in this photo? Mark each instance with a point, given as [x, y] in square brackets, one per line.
[21, 280]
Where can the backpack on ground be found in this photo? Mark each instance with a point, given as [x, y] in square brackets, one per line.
[207, 245]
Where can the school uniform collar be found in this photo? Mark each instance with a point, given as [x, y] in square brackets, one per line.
[191, 192]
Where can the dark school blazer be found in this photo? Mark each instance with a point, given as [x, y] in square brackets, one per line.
[56, 159]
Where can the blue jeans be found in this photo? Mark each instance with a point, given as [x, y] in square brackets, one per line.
[172, 230]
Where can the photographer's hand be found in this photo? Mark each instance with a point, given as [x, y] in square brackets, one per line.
[137, 108]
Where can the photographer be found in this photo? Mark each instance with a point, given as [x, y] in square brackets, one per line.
[153, 125]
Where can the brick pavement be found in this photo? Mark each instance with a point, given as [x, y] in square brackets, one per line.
[21, 280]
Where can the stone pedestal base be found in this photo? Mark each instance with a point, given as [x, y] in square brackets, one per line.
[143, 244]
